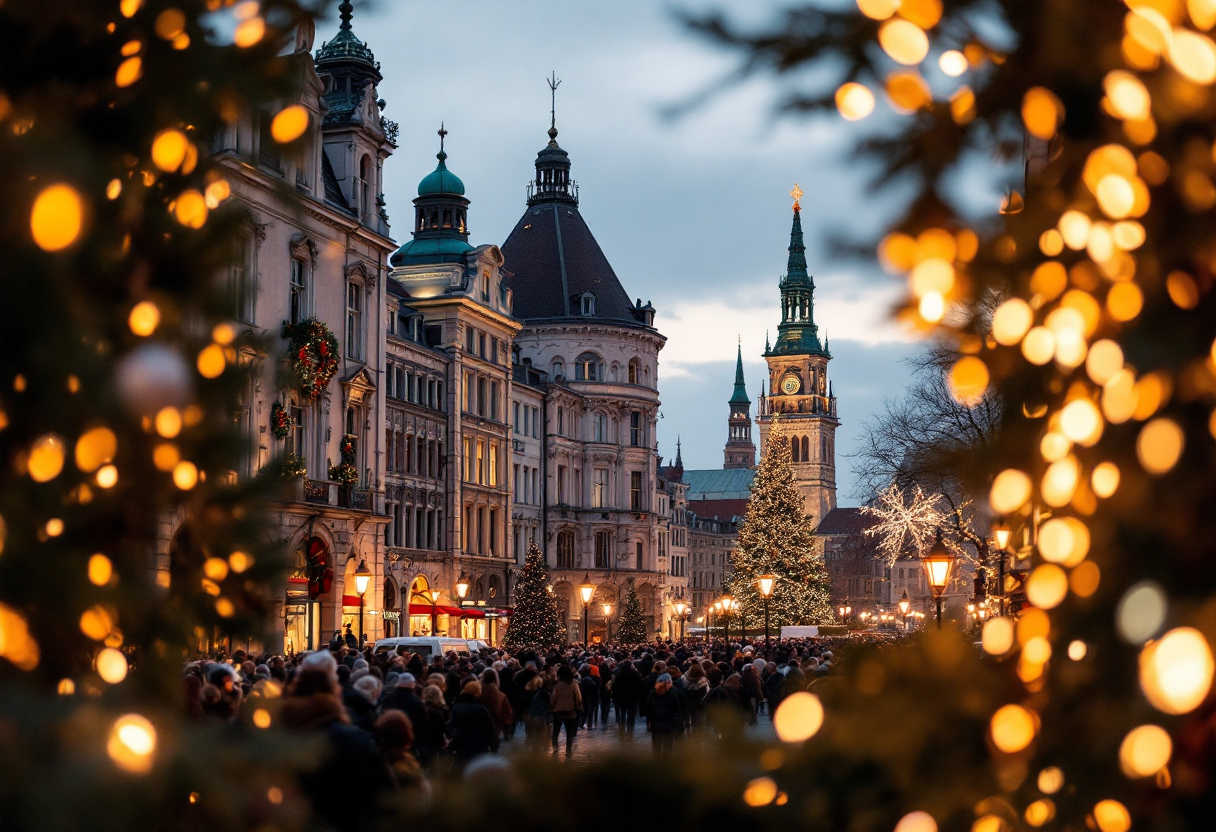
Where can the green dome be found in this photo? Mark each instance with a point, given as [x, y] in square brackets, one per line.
[431, 250]
[441, 181]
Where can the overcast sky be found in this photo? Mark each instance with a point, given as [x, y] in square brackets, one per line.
[693, 213]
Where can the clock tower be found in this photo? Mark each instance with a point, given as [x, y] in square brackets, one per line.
[799, 394]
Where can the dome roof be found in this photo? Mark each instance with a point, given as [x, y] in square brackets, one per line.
[441, 181]
[431, 250]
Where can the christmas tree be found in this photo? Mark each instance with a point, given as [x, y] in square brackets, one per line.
[631, 629]
[535, 621]
[777, 538]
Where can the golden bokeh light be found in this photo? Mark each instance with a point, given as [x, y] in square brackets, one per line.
[1127, 95]
[46, 458]
[66, 687]
[216, 193]
[144, 318]
[854, 101]
[962, 110]
[1039, 345]
[1145, 751]
[1041, 112]
[1047, 586]
[128, 8]
[168, 422]
[132, 743]
[1050, 780]
[1051, 242]
[129, 71]
[1074, 228]
[878, 9]
[1112, 816]
[16, 643]
[170, 24]
[1054, 446]
[799, 717]
[1010, 491]
[897, 252]
[904, 42]
[953, 63]
[1037, 650]
[917, 821]
[111, 666]
[185, 475]
[57, 217]
[1059, 482]
[1141, 612]
[1176, 671]
[1105, 479]
[1064, 540]
[932, 307]
[969, 380]
[225, 608]
[169, 149]
[1011, 321]
[1128, 235]
[997, 636]
[1182, 290]
[97, 622]
[1159, 445]
[239, 561]
[908, 91]
[100, 569]
[1077, 650]
[1194, 56]
[165, 456]
[1039, 812]
[190, 209]
[107, 476]
[215, 568]
[924, 13]
[261, 718]
[1012, 728]
[1124, 301]
[1081, 422]
[1104, 361]
[289, 124]
[95, 448]
[760, 792]
[211, 361]
[249, 32]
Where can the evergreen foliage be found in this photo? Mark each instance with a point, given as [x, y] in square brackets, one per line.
[631, 627]
[535, 622]
[776, 537]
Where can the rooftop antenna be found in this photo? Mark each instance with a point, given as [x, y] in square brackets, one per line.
[554, 82]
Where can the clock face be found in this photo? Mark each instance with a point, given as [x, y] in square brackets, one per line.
[790, 385]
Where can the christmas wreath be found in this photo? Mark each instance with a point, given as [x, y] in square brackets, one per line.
[345, 472]
[280, 421]
[314, 355]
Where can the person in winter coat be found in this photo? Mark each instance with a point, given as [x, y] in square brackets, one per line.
[565, 703]
[496, 702]
[627, 692]
[725, 706]
[404, 697]
[696, 690]
[664, 712]
[774, 687]
[351, 763]
[431, 734]
[589, 686]
[605, 676]
[473, 730]
[536, 712]
[753, 692]
[521, 696]
[395, 736]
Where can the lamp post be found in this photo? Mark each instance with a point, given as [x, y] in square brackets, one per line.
[845, 610]
[585, 590]
[904, 606]
[938, 564]
[607, 622]
[717, 611]
[765, 583]
[462, 589]
[363, 576]
[728, 606]
[681, 609]
[1002, 534]
[433, 594]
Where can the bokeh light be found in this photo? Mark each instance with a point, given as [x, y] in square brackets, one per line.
[798, 717]
[132, 743]
[1012, 728]
[1176, 671]
[1145, 751]
[57, 217]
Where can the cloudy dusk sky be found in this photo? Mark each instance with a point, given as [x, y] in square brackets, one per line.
[693, 212]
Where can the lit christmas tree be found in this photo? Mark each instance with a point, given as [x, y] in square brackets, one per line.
[535, 621]
[777, 538]
[632, 627]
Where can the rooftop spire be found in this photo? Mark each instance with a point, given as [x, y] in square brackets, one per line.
[443, 134]
[679, 457]
[797, 195]
[554, 82]
[345, 11]
[739, 396]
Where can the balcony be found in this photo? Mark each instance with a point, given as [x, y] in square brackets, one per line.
[327, 493]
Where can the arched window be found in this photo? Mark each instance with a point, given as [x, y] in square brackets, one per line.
[559, 370]
[587, 367]
[565, 550]
[633, 371]
[794, 449]
[365, 186]
[806, 454]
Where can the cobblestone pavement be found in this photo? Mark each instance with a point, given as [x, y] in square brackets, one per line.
[596, 743]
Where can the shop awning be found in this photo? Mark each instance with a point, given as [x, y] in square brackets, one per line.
[470, 612]
[350, 600]
[424, 609]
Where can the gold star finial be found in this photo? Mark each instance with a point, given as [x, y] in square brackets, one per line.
[797, 195]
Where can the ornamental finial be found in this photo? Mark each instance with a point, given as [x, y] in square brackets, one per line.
[554, 82]
[442, 135]
[345, 11]
[797, 195]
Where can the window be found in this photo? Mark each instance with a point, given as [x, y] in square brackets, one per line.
[635, 490]
[565, 550]
[603, 550]
[494, 400]
[295, 434]
[586, 367]
[493, 356]
[470, 338]
[365, 188]
[588, 304]
[515, 426]
[599, 488]
[561, 484]
[468, 459]
[516, 495]
[299, 291]
[638, 554]
[635, 429]
[481, 461]
[493, 464]
[242, 284]
[561, 427]
[481, 397]
[600, 423]
[536, 423]
[354, 320]
[559, 371]
[633, 371]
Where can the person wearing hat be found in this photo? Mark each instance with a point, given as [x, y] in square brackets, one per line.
[665, 715]
[404, 697]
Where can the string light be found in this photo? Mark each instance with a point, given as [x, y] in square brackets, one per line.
[854, 101]
[916, 822]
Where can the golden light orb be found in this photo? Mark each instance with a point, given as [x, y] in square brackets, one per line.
[854, 101]
[169, 149]
[916, 822]
[1012, 728]
[111, 666]
[100, 569]
[1145, 751]
[185, 475]
[132, 743]
[144, 318]
[1011, 321]
[952, 63]
[1010, 491]
[1159, 445]
[57, 217]
[904, 42]
[94, 448]
[1112, 816]
[46, 458]
[1176, 671]
[1105, 479]
[798, 717]
[1047, 586]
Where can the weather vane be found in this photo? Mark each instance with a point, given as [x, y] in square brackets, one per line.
[442, 135]
[797, 195]
[554, 82]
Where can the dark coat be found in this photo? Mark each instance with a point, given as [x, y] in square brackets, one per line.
[627, 687]
[664, 712]
[431, 734]
[406, 701]
[774, 691]
[362, 711]
[473, 730]
[590, 688]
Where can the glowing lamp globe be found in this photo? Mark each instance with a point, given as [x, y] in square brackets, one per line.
[939, 564]
[362, 576]
[765, 584]
[586, 589]
[462, 585]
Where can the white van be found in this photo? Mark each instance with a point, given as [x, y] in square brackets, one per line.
[424, 646]
[477, 645]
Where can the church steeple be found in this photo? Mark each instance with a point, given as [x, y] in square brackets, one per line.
[797, 334]
[740, 452]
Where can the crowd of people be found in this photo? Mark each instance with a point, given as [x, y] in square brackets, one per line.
[392, 720]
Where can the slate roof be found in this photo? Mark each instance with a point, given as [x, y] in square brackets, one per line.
[720, 484]
[845, 522]
[333, 191]
[554, 257]
[721, 509]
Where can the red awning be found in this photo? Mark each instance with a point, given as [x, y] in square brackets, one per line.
[423, 609]
[350, 600]
[473, 613]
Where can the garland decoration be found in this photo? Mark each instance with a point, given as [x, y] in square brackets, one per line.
[294, 467]
[280, 421]
[345, 472]
[314, 355]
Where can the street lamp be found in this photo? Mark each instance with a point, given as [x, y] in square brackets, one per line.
[904, 606]
[607, 622]
[433, 594]
[717, 611]
[462, 589]
[681, 609]
[765, 584]
[363, 576]
[846, 611]
[1002, 534]
[939, 564]
[585, 590]
[728, 606]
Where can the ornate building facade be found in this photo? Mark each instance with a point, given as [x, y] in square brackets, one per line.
[799, 392]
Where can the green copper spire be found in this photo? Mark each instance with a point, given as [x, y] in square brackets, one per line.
[797, 333]
[740, 394]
